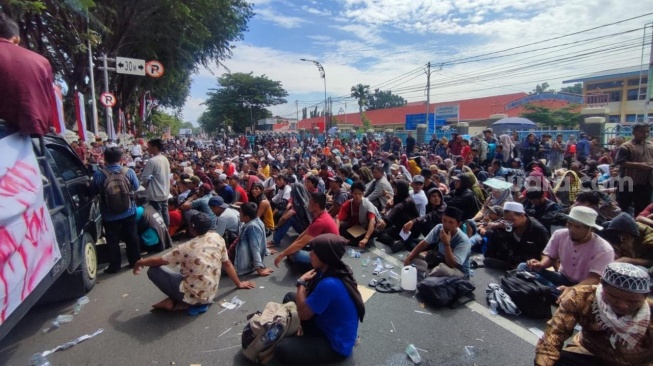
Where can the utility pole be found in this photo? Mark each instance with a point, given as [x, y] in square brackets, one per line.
[297, 119]
[109, 112]
[96, 128]
[428, 95]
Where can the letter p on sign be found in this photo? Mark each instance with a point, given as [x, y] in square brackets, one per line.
[154, 69]
[108, 99]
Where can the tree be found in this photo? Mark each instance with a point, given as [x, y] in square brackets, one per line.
[565, 117]
[574, 89]
[240, 97]
[180, 34]
[361, 93]
[367, 124]
[314, 113]
[304, 113]
[162, 121]
[382, 99]
[541, 88]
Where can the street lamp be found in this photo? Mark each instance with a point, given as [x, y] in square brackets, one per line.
[323, 76]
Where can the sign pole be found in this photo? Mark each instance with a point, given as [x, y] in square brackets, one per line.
[92, 77]
[109, 111]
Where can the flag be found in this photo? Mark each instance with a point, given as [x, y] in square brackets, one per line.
[58, 121]
[121, 121]
[80, 115]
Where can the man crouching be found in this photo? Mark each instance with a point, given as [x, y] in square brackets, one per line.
[201, 260]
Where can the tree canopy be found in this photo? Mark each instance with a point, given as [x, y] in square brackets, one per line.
[180, 34]
[382, 99]
[238, 98]
[361, 93]
[574, 89]
[565, 117]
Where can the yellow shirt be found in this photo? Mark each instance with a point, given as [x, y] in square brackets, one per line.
[265, 171]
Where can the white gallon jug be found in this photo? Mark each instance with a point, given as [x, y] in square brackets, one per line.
[409, 278]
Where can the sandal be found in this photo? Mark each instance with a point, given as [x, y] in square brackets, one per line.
[385, 286]
[198, 309]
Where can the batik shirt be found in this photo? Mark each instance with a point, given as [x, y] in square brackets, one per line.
[200, 261]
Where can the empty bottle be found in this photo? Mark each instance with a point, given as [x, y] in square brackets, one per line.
[494, 307]
[80, 303]
[37, 359]
[64, 318]
[411, 351]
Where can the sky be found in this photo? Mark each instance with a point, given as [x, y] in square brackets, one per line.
[476, 47]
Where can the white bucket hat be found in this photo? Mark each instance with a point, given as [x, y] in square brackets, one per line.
[513, 207]
[585, 216]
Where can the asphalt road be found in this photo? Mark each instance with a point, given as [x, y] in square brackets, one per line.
[133, 335]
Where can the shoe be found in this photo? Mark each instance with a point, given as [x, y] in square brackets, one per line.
[198, 309]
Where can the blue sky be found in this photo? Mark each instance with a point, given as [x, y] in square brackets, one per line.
[387, 43]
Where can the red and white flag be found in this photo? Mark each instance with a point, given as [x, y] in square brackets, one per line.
[58, 121]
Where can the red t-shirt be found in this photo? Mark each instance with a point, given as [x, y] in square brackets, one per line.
[466, 153]
[175, 221]
[349, 213]
[242, 196]
[323, 224]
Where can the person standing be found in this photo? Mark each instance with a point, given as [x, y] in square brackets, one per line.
[635, 160]
[118, 225]
[410, 144]
[156, 179]
[556, 156]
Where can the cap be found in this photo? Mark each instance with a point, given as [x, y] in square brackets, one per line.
[206, 187]
[222, 177]
[336, 179]
[459, 158]
[217, 201]
[627, 277]
[513, 207]
[394, 167]
[195, 179]
[418, 179]
[187, 180]
[455, 177]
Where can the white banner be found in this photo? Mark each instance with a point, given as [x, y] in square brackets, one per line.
[28, 245]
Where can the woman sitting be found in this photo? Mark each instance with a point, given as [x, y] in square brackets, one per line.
[400, 210]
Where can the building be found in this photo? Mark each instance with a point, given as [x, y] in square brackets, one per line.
[621, 91]
[477, 112]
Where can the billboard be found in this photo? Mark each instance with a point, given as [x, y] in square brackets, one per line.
[185, 131]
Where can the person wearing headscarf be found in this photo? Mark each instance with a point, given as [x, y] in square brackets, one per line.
[404, 161]
[462, 197]
[537, 180]
[497, 198]
[329, 306]
[401, 210]
[448, 163]
[479, 193]
[413, 168]
[434, 211]
[615, 321]
[567, 189]
[508, 147]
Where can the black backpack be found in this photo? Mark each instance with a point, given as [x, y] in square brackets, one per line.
[116, 194]
[532, 298]
[446, 291]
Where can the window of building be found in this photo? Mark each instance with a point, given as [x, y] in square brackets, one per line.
[606, 85]
[614, 119]
[635, 82]
[615, 96]
[637, 94]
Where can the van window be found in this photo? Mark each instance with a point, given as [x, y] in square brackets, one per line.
[69, 166]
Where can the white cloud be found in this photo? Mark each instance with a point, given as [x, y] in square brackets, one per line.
[193, 109]
[279, 19]
[315, 11]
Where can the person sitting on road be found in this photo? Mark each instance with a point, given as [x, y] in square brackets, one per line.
[402, 209]
[449, 248]
[541, 208]
[434, 211]
[329, 306]
[201, 260]
[322, 223]
[615, 320]
[152, 231]
[227, 220]
[176, 218]
[240, 195]
[462, 197]
[632, 241]
[296, 216]
[357, 212]
[338, 196]
[198, 202]
[379, 189]
[582, 255]
[519, 238]
[248, 251]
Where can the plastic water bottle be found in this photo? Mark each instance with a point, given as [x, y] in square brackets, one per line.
[411, 351]
[37, 359]
[80, 303]
[494, 307]
[64, 318]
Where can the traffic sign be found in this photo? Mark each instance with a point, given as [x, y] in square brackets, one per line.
[108, 99]
[154, 69]
[131, 66]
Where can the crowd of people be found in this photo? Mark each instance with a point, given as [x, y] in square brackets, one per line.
[563, 211]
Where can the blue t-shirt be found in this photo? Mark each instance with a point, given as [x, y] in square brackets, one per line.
[335, 314]
[460, 246]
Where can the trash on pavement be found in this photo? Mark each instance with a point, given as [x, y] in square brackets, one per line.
[56, 323]
[235, 303]
[64, 346]
[423, 312]
[37, 359]
[353, 253]
[470, 353]
[412, 352]
[79, 304]
[225, 332]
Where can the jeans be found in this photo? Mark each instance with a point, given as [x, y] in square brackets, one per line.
[167, 281]
[281, 231]
[301, 257]
[551, 279]
[162, 208]
[125, 230]
[310, 349]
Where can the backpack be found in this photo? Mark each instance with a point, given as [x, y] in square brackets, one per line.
[116, 195]
[446, 291]
[532, 298]
[265, 329]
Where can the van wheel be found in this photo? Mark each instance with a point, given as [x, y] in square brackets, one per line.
[89, 262]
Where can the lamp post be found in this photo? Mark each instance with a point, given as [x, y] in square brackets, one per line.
[323, 76]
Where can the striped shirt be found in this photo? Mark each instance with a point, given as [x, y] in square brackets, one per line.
[99, 178]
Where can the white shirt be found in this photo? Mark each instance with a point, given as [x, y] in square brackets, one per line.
[137, 150]
[421, 201]
[283, 194]
[228, 221]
